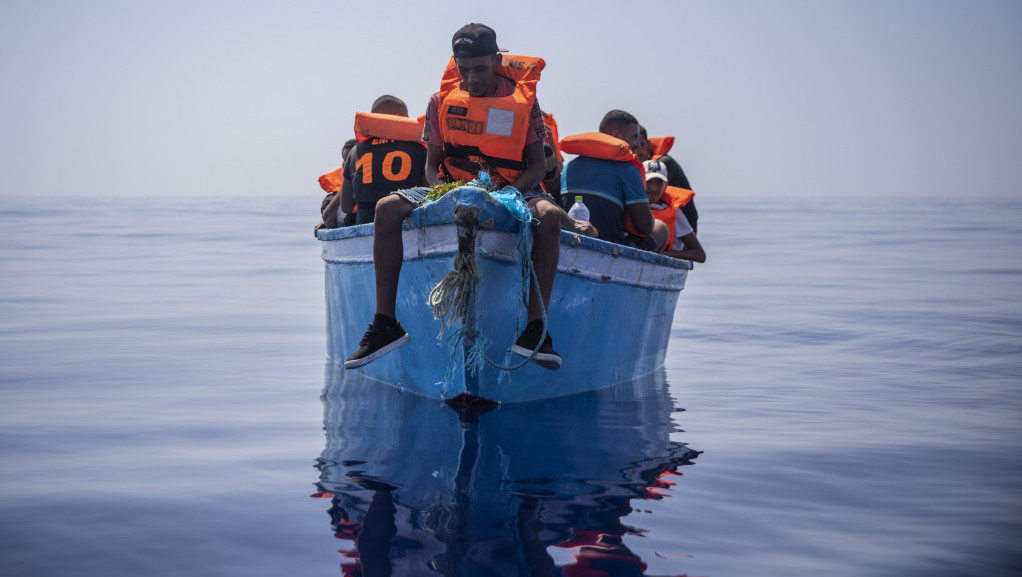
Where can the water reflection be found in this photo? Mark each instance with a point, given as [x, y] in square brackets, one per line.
[415, 487]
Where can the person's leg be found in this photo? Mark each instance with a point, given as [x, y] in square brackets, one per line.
[385, 333]
[546, 250]
[388, 250]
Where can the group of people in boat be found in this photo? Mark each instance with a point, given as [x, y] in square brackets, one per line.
[486, 117]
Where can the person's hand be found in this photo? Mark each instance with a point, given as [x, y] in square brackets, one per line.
[584, 227]
[318, 226]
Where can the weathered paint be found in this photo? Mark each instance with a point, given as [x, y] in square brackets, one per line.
[610, 315]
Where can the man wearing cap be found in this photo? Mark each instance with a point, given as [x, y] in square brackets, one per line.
[666, 204]
[484, 118]
[675, 175]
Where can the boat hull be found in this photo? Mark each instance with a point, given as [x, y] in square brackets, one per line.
[610, 314]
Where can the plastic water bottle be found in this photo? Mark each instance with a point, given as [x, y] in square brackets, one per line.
[578, 211]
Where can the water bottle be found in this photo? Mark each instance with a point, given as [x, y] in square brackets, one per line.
[578, 211]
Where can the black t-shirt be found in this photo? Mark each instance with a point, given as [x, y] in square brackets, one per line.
[377, 167]
[676, 177]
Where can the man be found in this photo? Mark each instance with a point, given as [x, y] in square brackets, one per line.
[666, 202]
[463, 135]
[675, 175]
[378, 166]
[331, 183]
[613, 190]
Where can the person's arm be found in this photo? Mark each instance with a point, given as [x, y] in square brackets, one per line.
[693, 250]
[691, 214]
[347, 195]
[642, 217]
[330, 212]
[535, 167]
[434, 156]
[577, 226]
[552, 185]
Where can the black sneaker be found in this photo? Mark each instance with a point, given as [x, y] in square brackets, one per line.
[383, 336]
[546, 356]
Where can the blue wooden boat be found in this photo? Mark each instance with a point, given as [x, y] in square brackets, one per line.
[610, 315]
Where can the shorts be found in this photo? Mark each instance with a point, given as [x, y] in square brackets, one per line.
[366, 213]
[537, 192]
[645, 243]
[413, 196]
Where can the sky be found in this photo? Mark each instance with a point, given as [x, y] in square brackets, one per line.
[808, 98]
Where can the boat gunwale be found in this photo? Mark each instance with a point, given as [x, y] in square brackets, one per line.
[573, 240]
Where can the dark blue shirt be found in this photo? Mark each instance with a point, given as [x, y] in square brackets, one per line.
[606, 187]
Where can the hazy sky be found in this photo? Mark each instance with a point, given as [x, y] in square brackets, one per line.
[815, 98]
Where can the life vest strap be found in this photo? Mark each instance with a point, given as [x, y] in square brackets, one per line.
[465, 151]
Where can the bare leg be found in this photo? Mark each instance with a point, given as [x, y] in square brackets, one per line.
[388, 251]
[546, 250]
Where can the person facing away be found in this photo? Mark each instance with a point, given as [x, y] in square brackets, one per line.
[613, 190]
[375, 167]
[666, 203]
[328, 211]
[675, 175]
[495, 97]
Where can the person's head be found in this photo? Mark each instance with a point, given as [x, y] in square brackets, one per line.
[351, 142]
[643, 151]
[388, 104]
[656, 180]
[620, 124]
[477, 57]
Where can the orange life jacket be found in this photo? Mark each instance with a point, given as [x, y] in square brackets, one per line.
[387, 126]
[659, 145]
[674, 198]
[607, 147]
[374, 125]
[488, 132]
[331, 181]
[599, 145]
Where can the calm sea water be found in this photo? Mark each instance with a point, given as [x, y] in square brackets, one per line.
[851, 371]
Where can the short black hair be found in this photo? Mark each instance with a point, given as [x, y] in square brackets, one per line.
[388, 99]
[616, 119]
[348, 145]
[642, 132]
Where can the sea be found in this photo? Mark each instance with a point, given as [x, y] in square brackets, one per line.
[842, 396]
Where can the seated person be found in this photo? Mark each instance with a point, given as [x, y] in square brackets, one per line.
[613, 190]
[379, 166]
[331, 183]
[479, 82]
[666, 203]
[675, 175]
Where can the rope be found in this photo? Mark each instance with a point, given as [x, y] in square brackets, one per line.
[454, 298]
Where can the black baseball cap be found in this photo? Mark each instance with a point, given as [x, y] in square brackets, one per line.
[474, 40]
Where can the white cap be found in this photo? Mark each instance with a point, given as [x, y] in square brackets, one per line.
[655, 169]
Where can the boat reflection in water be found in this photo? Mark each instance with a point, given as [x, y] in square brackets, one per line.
[417, 487]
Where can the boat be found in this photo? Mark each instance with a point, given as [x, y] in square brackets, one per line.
[610, 313]
[416, 488]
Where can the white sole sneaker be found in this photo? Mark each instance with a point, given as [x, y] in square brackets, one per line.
[545, 360]
[355, 363]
